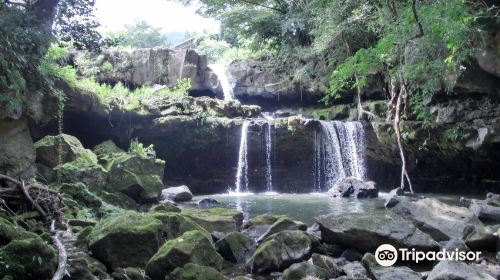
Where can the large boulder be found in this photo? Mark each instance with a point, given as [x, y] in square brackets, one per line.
[485, 210]
[27, 259]
[135, 175]
[444, 221]
[216, 220]
[379, 272]
[192, 247]
[365, 232]
[235, 247]
[452, 270]
[300, 271]
[327, 263]
[280, 251]
[283, 223]
[193, 271]
[176, 224]
[165, 206]
[147, 67]
[352, 187]
[177, 194]
[9, 232]
[128, 239]
[259, 225]
[54, 150]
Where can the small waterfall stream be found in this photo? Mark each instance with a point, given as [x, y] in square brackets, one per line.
[269, 149]
[221, 72]
[338, 153]
[242, 171]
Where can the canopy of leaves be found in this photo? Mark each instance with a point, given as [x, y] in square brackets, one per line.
[140, 35]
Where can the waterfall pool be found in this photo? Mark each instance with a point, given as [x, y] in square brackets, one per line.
[300, 207]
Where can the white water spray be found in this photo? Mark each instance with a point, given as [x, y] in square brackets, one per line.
[338, 153]
[242, 172]
[269, 149]
[221, 72]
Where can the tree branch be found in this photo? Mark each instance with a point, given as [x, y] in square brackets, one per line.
[414, 10]
[264, 6]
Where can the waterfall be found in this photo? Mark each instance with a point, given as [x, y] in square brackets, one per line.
[242, 172]
[269, 149]
[221, 72]
[338, 153]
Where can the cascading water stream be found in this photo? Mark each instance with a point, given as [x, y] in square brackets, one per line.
[221, 72]
[338, 153]
[269, 149]
[242, 172]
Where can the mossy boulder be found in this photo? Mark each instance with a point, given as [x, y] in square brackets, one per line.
[235, 247]
[259, 225]
[106, 148]
[9, 232]
[280, 251]
[128, 239]
[81, 194]
[300, 271]
[193, 271]
[282, 223]
[193, 246]
[29, 258]
[165, 207]
[136, 176]
[377, 271]
[216, 220]
[176, 224]
[64, 147]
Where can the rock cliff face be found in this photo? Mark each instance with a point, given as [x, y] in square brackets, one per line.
[142, 67]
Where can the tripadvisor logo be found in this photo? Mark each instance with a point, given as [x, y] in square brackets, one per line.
[388, 255]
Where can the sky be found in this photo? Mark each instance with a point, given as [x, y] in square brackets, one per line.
[166, 14]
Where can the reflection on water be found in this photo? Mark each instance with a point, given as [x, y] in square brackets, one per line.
[302, 207]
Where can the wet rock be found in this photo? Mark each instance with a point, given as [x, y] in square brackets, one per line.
[129, 273]
[18, 154]
[355, 270]
[454, 244]
[303, 269]
[87, 268]
[193, 271]
[177, 194]
[216, 220]
[29, 259]
[351, 255]
[493, 199]
[451, 270]
[207, 201]
[352, 187]
[259, 225]
[165, 206]
[485, 211]
[280, 251]
[283, 223]
[235, 247]
[444, 222]
[328, 264]
[394, 197]
[128, 239]
[193, 246]
[388, 273]
[365, 232]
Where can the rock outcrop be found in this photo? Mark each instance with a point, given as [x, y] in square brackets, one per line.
[148, 67]
[352, 187]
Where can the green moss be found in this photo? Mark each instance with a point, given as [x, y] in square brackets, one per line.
[123, 223]
[28, 259]
[106, 148]
[193, 246]
[176, 224]
[9, 232]
[193, 271]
